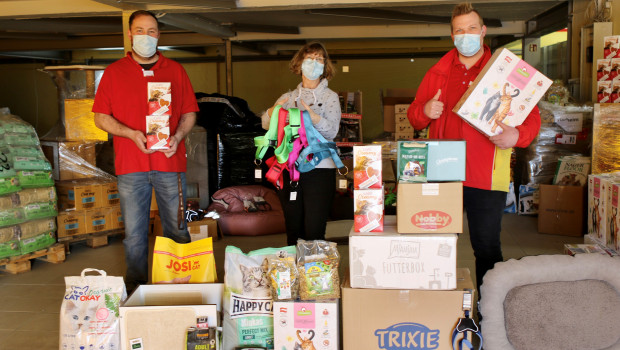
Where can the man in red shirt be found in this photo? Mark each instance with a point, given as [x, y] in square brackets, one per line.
[488, 158]
[121, 108]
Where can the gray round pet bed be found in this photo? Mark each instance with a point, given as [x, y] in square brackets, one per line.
[552, 302]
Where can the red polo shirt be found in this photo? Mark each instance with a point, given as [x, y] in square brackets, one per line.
[122, 93]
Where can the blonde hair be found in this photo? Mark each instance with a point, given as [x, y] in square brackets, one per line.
[312, 47]
[464, 8]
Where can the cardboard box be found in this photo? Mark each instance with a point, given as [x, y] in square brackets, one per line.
[114, 217]
[109, 194]
[78, 194]
[80, 121]
[71, 223]
[160, 314]
[379, 319]
[201, 229]
[390, 98]
[96, 220]
[445, 160]
[504, 75]
[430, 207]
[598, 185]
[390, 260]
[561, 209]
[316, 322]
[65, 158]
[613, 219]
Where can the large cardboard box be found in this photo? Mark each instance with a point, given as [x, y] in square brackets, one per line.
[109, 194]
[391, 260]
[80, 121]
[96, 220]
[390, 98]
[202, 229]
[71, 223]
[316, 322]
[79, 194]
[445, 160]
[160, 314]
[561, 210]
[430, 207]
[114, 217]
[507, 89]
[379, 319]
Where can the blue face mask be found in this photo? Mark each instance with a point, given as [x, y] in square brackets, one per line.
[312, 69]
[467, 44]
[144, 45]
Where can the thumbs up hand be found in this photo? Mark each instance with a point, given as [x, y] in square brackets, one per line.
[434, 108]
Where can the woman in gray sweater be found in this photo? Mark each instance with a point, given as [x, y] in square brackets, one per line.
[307, 204]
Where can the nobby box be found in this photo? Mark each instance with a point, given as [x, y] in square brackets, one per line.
[430, 207]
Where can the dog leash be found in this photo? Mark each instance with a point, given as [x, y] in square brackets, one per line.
[466, 325]
[318, 149]
[181, 211]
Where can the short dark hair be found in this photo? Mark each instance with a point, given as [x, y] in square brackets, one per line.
[312, 47]
[139, 13]
[464, 8]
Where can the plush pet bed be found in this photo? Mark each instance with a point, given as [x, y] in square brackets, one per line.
[237, 219]
[552, 302]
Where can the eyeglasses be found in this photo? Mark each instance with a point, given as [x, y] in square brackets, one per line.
[317, 58]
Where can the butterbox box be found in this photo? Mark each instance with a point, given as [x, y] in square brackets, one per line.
[390, 260]
[380, 319]
[306, 325]
[507, 89]
[430, 207]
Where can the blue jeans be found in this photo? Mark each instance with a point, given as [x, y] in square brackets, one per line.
[135, 190]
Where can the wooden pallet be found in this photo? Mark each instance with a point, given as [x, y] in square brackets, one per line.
[93, 240]
[18, 264]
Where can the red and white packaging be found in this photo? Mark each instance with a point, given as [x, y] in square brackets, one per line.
[368, 214]
[367, 167]
[157, 132]
[604, 92]
[615, 91]
[612, 46]
[159, 98]
[603, 69]
[615, 69]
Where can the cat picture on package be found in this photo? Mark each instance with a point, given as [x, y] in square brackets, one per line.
[255, 281]
[596, 218]
[305, 342]
[497, 107]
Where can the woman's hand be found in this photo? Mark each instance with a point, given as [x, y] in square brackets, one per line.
[281, 102]
[315, 117]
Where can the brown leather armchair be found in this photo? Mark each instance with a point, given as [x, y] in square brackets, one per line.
[242, 214]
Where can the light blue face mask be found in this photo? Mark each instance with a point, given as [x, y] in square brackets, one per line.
[467, 44]
[312, 69]
[144, 45]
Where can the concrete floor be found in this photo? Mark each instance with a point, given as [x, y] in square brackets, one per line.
[30, 302]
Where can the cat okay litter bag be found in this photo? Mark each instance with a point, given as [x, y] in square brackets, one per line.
[183, 262]
[248, 305]
[89, 311]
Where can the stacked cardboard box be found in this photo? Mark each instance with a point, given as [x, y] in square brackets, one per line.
[367, 189]
[404, 129]
[89, 206]
[603, 205]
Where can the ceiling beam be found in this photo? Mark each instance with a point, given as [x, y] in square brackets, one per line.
[32, 36]
[257, 28]
[39, 55]
[196, 24]
[223, 4]
[64, 25]
[380, 14]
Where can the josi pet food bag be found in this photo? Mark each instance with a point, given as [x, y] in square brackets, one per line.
[89, 311]
[248, 305]
[183, 262]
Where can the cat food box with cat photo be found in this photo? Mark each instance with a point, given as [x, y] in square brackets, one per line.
[381, 319]
[598, 185]
[306, 325]
[367, 167]
[506, 90]
[160, 98]
[368, 210]
[157, 132]
[391, 260]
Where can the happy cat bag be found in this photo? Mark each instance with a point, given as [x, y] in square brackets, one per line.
[248, 310]
[89, 311]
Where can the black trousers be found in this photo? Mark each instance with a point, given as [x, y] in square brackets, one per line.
[306, 216]
[484, 210]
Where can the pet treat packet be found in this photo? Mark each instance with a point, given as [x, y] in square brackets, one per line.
[367, 167]
[183, 262]
[572, 171]
[160, 98]
[317, 263]
[283, 278]
[248, 304]
[89, 314]
[369, 208]
[157, 131]
[412, 161]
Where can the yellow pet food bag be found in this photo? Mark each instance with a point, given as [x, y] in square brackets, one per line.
[183, 262]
